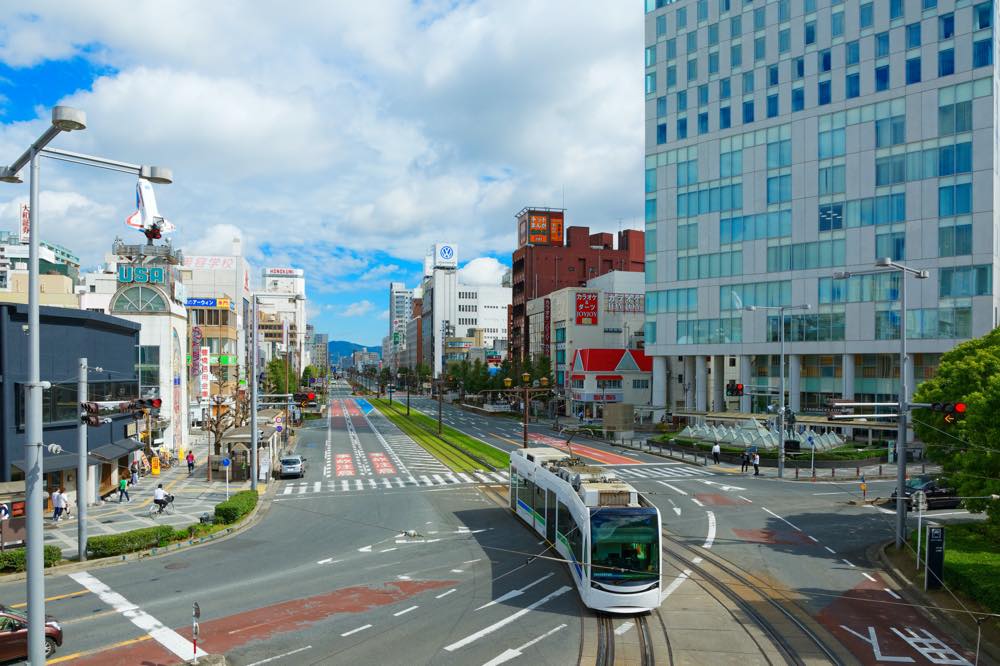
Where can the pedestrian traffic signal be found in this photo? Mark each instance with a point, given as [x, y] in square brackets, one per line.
[739, 390]
[952, 410]
[142, 404]
[91, 414]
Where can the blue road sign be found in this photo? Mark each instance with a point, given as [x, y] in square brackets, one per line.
[225, 462]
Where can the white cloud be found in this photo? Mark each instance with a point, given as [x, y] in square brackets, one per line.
[384, 315]
[482, 271]
[358, 308]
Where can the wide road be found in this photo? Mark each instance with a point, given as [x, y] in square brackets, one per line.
[381, 574]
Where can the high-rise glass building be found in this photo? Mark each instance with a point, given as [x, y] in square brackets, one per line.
[789, 140]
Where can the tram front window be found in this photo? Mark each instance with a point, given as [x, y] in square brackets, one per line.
[625, 545]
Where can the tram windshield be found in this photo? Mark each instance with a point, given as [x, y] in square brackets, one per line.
[625, 545]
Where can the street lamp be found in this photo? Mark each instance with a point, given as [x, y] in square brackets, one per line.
[889, 265]
[781, 309]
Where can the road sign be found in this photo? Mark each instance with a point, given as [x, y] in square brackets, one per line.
[196, 610]
[934, 561]
[812, 442]
[4, 512]
[920, 500]
[278, 428]
[225, 462]
[278, 419]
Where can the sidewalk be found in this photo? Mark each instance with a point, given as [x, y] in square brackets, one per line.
[195, 496]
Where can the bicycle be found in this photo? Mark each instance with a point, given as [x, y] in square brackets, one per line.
[168, 508]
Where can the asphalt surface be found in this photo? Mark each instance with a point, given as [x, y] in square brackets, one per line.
[332, 578]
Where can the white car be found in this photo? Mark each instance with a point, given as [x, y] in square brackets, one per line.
[293, 466]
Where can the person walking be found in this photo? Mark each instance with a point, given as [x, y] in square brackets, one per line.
[716, 450]
[190, 461]
[64, 501]
[756, 464]
[134, 481]
[745, 462]
[123, 490]
[56, 505]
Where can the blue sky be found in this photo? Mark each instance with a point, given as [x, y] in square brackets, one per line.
[379, 129]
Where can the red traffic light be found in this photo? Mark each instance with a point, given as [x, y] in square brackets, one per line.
[959, 407]
[155, 403]
[739, 387]
[311, 395]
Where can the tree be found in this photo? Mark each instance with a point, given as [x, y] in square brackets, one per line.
[969, 449]
[218, 422]
[309, 372]
[278, 377]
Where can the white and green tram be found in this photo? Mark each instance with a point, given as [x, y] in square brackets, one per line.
[607, 532]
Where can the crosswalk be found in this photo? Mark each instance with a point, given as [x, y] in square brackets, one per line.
[393, 483]
[660, 472]
[411, 455]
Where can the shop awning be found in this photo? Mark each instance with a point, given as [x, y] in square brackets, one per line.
[577, 376]
[115, 450]
[608, 377]
[57, 463]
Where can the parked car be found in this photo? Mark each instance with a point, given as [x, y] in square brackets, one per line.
[293, 466]
[941, 494]
[14, 634]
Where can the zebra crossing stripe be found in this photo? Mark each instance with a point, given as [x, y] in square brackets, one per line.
[427, 482]
[317, 486]
[386, 482]
[372, 483]
[483, 477]
[400, 483]
[465, 477]
[287, 491]
[437, 477]
[302, 490]
[501, 477]
[360, 486]
[345, 484]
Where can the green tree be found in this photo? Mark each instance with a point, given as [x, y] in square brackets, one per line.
[309, 372]
[278, 376]
[969, 449]
[543, 368]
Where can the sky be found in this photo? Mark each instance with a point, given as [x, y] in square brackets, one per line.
[340, 137]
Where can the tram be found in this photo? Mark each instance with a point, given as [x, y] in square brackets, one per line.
[607, 532]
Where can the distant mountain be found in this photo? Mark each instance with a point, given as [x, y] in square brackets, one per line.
[338, 348]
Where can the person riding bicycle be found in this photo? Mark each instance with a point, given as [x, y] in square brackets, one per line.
[160, 498]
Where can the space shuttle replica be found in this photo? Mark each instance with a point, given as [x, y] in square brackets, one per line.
[147, 218]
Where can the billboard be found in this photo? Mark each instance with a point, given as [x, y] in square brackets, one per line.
[195, 351]
[546, 327]
[205, 262]
[540, 227]
[445, 255]
[620, 302]
[283, 272]
[586, 308]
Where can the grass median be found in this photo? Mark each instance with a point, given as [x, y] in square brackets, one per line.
[458, 449]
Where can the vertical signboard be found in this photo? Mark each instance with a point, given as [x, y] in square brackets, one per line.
[556, 228]
[25, 223]
[586, 308]
[206, 374]
[538, 228]
[195, 351]
[547, 326]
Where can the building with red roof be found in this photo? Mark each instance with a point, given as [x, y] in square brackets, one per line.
[601, 376]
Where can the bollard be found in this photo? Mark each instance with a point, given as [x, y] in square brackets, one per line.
[796, 471]
[880, 470]
[857, 472]
[833, 472]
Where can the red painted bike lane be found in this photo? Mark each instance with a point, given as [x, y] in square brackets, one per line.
[227, 633]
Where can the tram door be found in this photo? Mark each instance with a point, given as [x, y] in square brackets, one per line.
[550, 517]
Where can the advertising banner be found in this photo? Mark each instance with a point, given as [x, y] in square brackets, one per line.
[206, 372]
[195, 351]
[445, 255]
[25, 223]
[209, 263]
[283, 272]
[626, 302]
[546, 327]
[586, 308]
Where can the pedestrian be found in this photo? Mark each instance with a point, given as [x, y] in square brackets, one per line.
[756, 464]
[190, 461]
[745, 463]
[65, 503]
[123, 490]
[716, 450]
[134, 481]
[56, 505]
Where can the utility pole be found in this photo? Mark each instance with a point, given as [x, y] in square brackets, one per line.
[81, 465]
[440, 387]
[254, 435]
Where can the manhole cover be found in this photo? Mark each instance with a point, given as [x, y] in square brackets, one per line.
[177, 565]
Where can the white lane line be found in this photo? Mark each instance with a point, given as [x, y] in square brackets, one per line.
[893, 594]
[815, 540]
[781, 519]
[471, 638]
[835, 492]
[675, 584]
[673, 488]
[287, 490]
[696, 560]
[832, 551]
[869, 577]
[445, 594]
[677, 510]
[745, 499]
[514, 593]
[387, 550]
[711, 530]
[354, 631]
[622, 629]
[697, 502]
[471, 561]
[405, 611]
[317, 485]
[848, 562]
[509, 654]
[280, 656]
[165, 636]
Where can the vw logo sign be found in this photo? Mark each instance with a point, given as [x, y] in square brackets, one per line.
[447, 252]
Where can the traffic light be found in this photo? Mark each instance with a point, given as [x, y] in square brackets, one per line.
[91, 414]
[952, 410]
[142, 404]
[738, 390]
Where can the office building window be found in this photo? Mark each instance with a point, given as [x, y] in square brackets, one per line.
[799, 67]
[832, 143]
[982, 53]
[725, 118]
[692, 41]
[671, 48]
[736, 55]
[804, 256]
[965, 281]
[724, 6]
[692, 70]
[784, 10]
[735, 27]
[748, 82]
[687, 173]
[661, 134]
[703, 94]
[837, 24]
[772, 106]
[810, 33]
[955, 200]
[852, 53]
[824, 92]
[713, 62]
[895, 9]
[682, 128]
[982, 16]
[955, 118]
[759, 18]
[702, 123]
[779, 189]
[892, 245]
[946, 26]
[650, 56]
[651, 83]
[954, 240]
[713, 34]
[798, 99]
[831, 216]
[852, 86]
[882, 78]
[682, 100]
[784, 40]
[779, 154]
[725, 88]
[913, 36]
[832, 180]
[661, 106]
[681, 18]
[866, 15]
[661, 26]
[946, 62]
[759, 48]
[882, 45]
[748, 111]
[890, 131]
[772, 75]
[730, 164]
[929, 4]
[913, 70]
[824, 60]
[702, 10]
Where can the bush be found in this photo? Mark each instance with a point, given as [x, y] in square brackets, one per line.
[235, 507]
[130, 542]
[14, 560]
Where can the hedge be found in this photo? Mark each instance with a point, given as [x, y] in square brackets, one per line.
[129, 542]
[235, 507]
[13, 560]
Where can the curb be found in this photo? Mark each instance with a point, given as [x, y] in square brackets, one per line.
[254, 517]
[913, 594]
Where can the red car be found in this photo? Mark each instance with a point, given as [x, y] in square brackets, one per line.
[14, 634]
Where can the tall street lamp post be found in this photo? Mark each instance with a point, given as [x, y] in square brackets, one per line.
[888, 264]
[64, 119]
[780, 309]
[527, 391]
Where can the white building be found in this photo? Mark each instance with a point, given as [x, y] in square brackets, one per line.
[400, 310]
[601, 376]
[283, 300]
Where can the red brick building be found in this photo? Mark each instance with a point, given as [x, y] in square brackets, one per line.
[540, 268]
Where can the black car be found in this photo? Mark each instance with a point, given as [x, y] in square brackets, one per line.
[941, 494]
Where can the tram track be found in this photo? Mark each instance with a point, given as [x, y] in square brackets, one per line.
[791, 638]
[605, 640]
